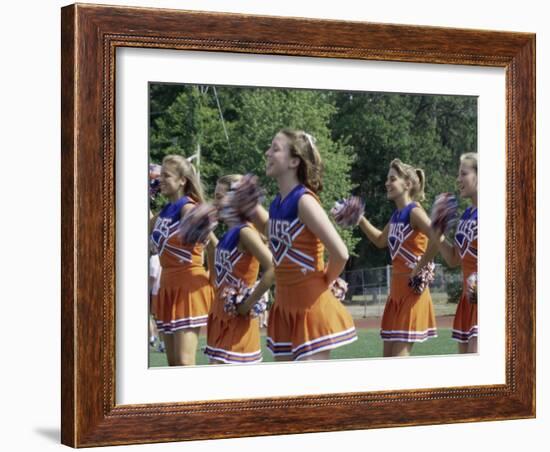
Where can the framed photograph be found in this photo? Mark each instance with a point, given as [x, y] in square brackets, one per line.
[115, 61]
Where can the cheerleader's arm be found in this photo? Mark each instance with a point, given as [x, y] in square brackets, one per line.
[378, 237]
[315, 218]
[260, 219]
[251, 242]
[211, 255]
[152, 221]
[449, 252]
[437, 243]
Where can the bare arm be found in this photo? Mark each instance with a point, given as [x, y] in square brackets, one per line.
[437, 242]
[252, 243]
[152, 221]
[421, 222]
[449, 252]
[378, 237]
[316, 219]
[260, 219]
[211, 255]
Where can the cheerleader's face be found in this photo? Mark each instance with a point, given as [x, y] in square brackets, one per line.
[396, 185]
[278, 158]
[467, 180]
[219, 193]
[171, 183]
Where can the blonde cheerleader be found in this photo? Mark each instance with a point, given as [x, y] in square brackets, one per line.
[185, 294]
[408, 315]
[462, 251]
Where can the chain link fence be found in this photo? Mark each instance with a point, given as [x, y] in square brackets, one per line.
[368, 289]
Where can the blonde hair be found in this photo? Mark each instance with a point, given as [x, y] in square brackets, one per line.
[186, 170]
[414, 175]
[229, 179]
[310, 169]
[471, 157]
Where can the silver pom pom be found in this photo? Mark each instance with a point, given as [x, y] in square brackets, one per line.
[197, 225]
[339, 288]
[348, 212]
[423, 279]
[471, 288]
[444, 212]
[246, 196]
[234, 295]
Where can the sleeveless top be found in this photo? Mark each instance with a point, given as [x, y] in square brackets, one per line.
[173, 253]
[405, 244]
[466, 241]
[233, 265]
[297, 252]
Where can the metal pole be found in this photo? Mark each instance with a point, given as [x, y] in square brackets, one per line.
[198, 160]
[364, 291]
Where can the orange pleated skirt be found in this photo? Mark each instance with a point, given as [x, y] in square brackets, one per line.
[183, 300]
[408, 316]
[465, 325]
[232, 340]
[306, 319]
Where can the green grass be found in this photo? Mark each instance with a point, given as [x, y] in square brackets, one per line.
[368, 345]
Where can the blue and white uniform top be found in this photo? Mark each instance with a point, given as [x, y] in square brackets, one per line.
[297, 252]
[233, 265]
[466, 233]
[173, 253]
[405, 244]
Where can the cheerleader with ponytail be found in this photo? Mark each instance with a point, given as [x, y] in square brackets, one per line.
[408, 316]
[461, 251]
[185, 294]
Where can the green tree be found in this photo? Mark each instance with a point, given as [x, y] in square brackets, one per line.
[235, 126]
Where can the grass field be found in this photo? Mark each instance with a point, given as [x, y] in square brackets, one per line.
[368, 345]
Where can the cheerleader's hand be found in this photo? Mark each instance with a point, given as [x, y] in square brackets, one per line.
[444, 213]
[348, 212]
[424, 277]
[243, 309]
[339, 288]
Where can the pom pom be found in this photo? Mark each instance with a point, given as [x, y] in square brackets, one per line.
[234, 295]
[154, 179]
[246, 195]
[348, 212]
[226, 210]
[444, 212]
[423, 279]
[471, 288]
[339, 288]
[198, 224]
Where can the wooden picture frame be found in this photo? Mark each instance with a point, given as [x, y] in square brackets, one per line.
[90, 36]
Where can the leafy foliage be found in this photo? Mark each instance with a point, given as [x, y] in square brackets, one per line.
[358, 134]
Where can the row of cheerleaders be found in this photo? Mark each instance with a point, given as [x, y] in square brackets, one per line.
[288, 243]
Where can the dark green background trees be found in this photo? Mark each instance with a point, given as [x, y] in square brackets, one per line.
[358, 134]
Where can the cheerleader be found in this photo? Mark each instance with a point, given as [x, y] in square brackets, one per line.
[233, 329]
[306, 320]
[463, 251]
[185, 294]
[408, 315]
